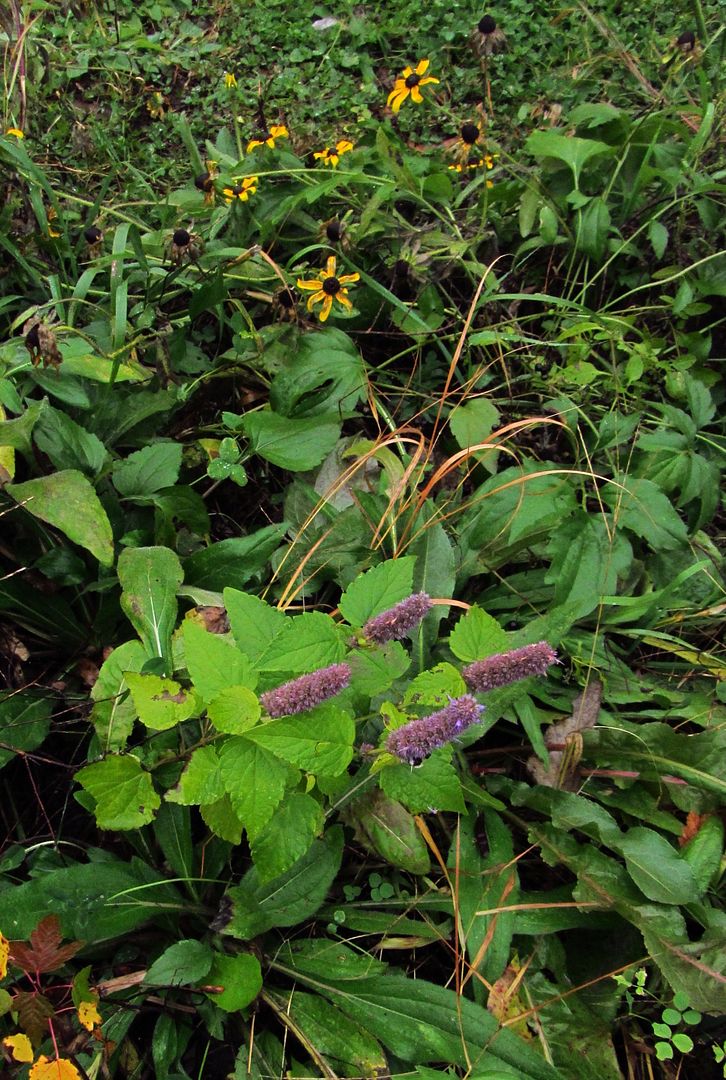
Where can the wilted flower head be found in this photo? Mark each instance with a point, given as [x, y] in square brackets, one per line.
[305, 693]
[509, 667]
[416, 740]
[488, 38]
[399, 620]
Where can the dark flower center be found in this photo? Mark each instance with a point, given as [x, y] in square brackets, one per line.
[334, 230]
[203, 181]
[400, 268]
[331, 286]
[286, 299]
[181, 238]
[236, 190]
[487, 25]
[32, 338]
[470, 133]
[92, 234]
[413, 80]
[687, 38]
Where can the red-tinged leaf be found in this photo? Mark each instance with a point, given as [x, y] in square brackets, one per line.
[45, 952]
[694, 821]
[34, 1011]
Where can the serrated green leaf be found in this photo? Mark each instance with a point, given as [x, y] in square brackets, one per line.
[200, 781]
[148, 470]
[434, 785]
[319, 741]
[377, 590]
[234, 710]
[287, 835]
[160, 703]
[306, 642]
[476, 636]
[213, 663]
[124, 794]
[255, 624]
[181, 964]
[68, 501]
[297, 445]
[255, 781]
[114, 712]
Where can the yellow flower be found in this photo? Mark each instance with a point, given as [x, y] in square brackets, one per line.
[88, 1015]
[4, 953]
[241, 191]
[16, 132]
[328, 287]
[20, 1047]
[331, 156]
[53, 232]
[267, 138]
[58, 1069]
[229, 80]
[410, 82]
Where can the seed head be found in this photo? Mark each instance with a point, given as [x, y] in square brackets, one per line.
[181, 238]
[92, 234]
[470, 133]
[487, 25]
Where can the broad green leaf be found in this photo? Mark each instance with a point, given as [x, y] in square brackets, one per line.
[658, 236]
[181, 964]
[255, 781]
[114, 713]
[290, 899]
[18, 433]
[124, 794]
[434, 785]
[471, 424]
[387, 828]
[642, 508]
[374, 670]
[173, 833]
[241, 977]
[161, 703]
[574, 151]
[324, 375]
[695, 968]
[149, 578]
[24, 723]
[656, 867]
[587, 561]
[593, 228]
[435, 687]
[201, 780]
[148, 470]
[434, 573]
[377, 590]
[234, 710]
[325, 956]
[221, 819]
[476, 636]
[345, 1042]
[68, 501]
[255, 624]
[232, 562]
[213, 663]
[319, 741]
[297, 445]
[704, 852]
[286, 836]
[67, 444]
[94, 901]
[306, 643]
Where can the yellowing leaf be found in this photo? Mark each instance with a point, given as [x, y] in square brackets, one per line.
[59, 1069]
[20, 1047]
[88, 1015]
[4, 952]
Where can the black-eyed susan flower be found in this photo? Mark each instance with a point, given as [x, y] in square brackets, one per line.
[53, 233]
[409, 83]
[284, 304]
[241, 191]
[268, 137]
[487, 38]
[328, 287]
[334, 231]
[15, 132]
[331, 155]
[205, 182]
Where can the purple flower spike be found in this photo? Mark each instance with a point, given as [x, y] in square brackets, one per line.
[416, 740]
[306, 692]
[399, 620]
[509, 667]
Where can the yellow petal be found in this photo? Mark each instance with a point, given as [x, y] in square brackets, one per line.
[315, 299]
[59, 1069]
[20, 1047]
[88, 1015]
[396, 99]
[348, 277]
[416, 95]
[330, 266]
[344, 301]
[16, 132]
[252, 144]
[343, 146]
[321, 154]
[279, 131]
[327, 304]
[428, 79]
[421, 67]
[333, 160]
[407, 71]
[301, 284]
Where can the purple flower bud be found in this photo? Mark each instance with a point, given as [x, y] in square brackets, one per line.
[306, 692]
[416, 740]
[508, 667]
[399, 620]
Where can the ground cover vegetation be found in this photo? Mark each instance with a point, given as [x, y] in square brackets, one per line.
[361, 574]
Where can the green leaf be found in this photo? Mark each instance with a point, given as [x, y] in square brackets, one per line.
[290, 899]
[255, 624]
[335, 1036]
[324, 376]
[472, 423]
[67, 444]
[221, 819]
[434, 785]
[476, 636]
[306, 642]
[161, 703]
[241, 978]
[297, 445]
[587, 562]
[213, 663]
[287, 836]
[255, 781]
[148, 470]
[173, 832]
[234, 561]
[434, 574]
[68, 501]
[640, 506]
[181, 964]
[124, 794]
[656, 867]
[377, 590]
[573, 151]
[435, 687]
[114, 712]
[704, 852]
[234, 710]
[658, 236]
[374, 670]
[593, 229]
[149, 579]
[24, 723]
[319, 741]
[201, 780]
[385, 827]
[18, 433]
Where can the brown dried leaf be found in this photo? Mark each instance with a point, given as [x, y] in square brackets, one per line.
[34, 1011]
[45, 952]
[694, 821]
[566, 736]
